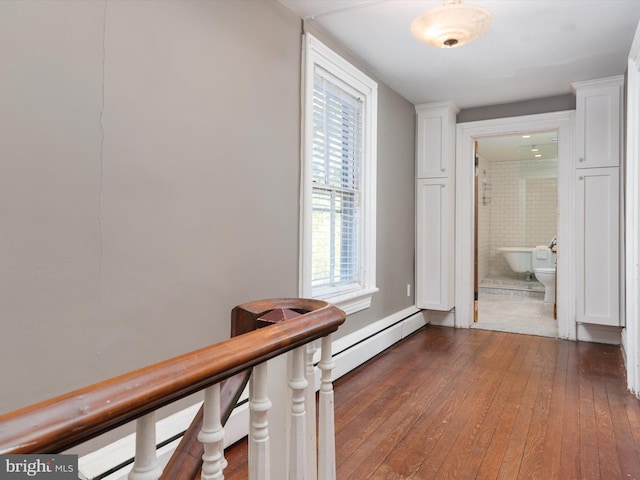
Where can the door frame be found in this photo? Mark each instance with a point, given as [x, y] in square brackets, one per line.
[466, 134]
[631, 334]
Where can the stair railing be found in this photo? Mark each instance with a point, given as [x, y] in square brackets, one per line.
[263, 330]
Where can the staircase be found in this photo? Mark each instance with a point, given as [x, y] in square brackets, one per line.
[260, 331]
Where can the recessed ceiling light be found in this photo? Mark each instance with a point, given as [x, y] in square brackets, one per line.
[526, 136]
[538, 155]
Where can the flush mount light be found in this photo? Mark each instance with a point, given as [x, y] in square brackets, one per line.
[451, 25]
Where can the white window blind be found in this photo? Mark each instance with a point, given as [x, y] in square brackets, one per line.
[337, 157]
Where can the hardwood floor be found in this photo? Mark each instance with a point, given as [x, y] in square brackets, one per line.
[475, 404]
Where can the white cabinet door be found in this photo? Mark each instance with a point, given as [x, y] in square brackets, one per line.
[435, 140]
[435, 244]
[597, 246]
[598, 122]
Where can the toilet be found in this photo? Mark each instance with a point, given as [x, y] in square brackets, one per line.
[544, 268]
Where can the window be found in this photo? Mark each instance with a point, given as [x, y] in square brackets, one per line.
[338, 180]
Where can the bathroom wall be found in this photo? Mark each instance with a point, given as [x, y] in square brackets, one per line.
[523, 208]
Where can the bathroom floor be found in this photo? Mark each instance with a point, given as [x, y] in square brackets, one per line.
[513, 305]
[511, 285]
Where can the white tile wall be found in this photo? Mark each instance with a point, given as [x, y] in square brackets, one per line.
[521, 210]
[484, 218]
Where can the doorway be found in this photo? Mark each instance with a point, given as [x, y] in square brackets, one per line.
[516, 210]
[467, 134]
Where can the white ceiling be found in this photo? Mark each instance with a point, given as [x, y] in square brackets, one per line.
[534, 48]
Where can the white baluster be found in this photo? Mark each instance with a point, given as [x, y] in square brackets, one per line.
[326, 428]
[212, 436]
[310, 400]
[259, 405]
[297, 435]
[145, 466]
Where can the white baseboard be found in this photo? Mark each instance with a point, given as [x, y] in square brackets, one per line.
[349, 352]
[441, 319]
[598, 333]
[623, 345]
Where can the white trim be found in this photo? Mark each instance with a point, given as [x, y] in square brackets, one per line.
[354, 338]
[598, 333]
[349, 352]
[467, 133]
[632, 219]
[442, 319]
[315, 53]
[353, 302]
[613, 81]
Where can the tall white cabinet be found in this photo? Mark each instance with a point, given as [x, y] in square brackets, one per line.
[598, 201]
[435, 199]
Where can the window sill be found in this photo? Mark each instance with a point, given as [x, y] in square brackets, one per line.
[352, 302]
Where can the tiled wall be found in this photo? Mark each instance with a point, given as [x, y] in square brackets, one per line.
[521, 210]
[484, 217]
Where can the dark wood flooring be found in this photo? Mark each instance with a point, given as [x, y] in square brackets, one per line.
[448, 403]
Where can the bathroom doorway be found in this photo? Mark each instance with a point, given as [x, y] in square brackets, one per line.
[516, 209]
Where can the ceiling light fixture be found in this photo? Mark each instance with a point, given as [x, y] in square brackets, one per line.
[451, 25]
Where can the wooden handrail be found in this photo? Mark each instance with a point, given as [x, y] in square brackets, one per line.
[186, 460]
[63, 422]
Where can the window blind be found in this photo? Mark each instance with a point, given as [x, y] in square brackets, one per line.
[337, 152]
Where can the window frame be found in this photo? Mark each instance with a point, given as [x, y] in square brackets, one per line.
[358, 296]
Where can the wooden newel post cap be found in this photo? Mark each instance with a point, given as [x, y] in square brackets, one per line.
[276, 315]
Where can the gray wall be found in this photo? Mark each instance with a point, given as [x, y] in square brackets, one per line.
[395, 208]
[558, 103]
[149, 182]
